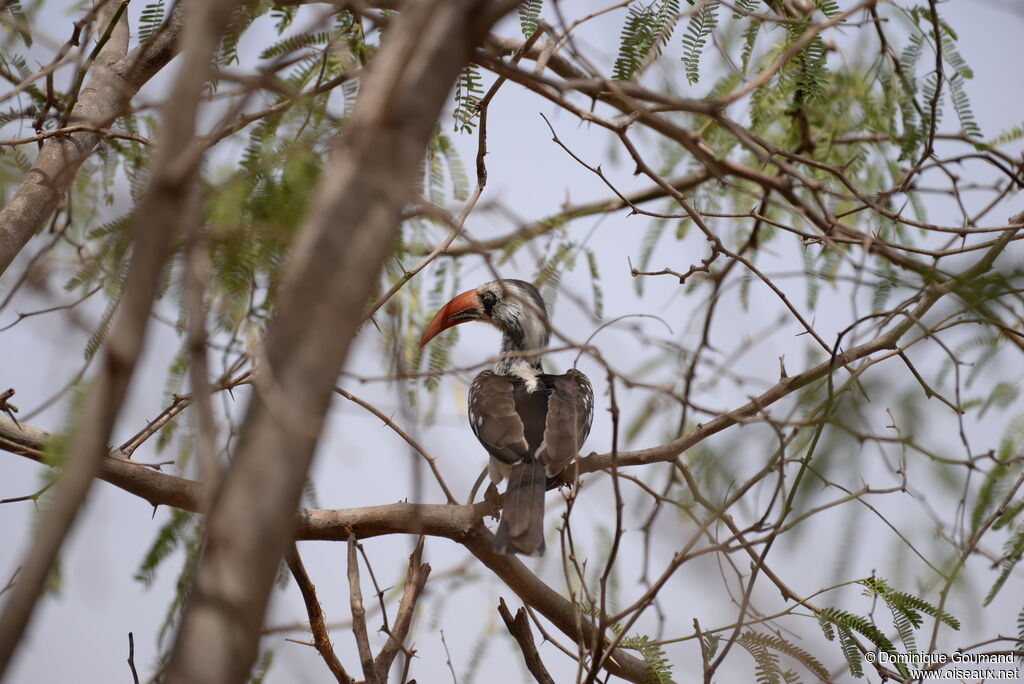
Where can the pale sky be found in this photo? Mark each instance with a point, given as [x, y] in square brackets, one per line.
[81, 634]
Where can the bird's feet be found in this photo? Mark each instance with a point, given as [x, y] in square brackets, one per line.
[492, 497]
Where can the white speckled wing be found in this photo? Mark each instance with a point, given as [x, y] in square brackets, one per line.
[493, 417]
[569, 416]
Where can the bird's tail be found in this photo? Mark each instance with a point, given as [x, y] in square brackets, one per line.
[521, 529]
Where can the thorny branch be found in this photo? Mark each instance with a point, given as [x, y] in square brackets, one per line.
[790, 186]
[317, 621]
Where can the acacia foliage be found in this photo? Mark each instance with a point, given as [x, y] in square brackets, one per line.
[820, 167]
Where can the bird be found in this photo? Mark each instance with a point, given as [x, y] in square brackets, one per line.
[531, 423]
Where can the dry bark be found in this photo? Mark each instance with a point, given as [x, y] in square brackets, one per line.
[335, 263]
[116, 76]
[155, 222]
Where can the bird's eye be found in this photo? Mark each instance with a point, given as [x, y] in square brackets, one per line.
[489, 300]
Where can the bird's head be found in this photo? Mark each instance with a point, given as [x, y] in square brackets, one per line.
[514, 307]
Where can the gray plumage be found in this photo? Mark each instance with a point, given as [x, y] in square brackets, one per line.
[531, 423]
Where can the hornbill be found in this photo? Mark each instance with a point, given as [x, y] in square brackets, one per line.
[531, 423]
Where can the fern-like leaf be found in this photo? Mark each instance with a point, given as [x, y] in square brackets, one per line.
[468, 91]
[99, 335]
[1012, 554]
[243, 19]
[845, 624]
[646, 30]
[659, 671]
[962, 105]
[847, 643]
[647, 245]
[742, 8]
[595, 285]
[151, 19]
[777, 643]
[529, 13]
[262, 667]
[1008, 136]
[749, 39]
[296, 42]
[1020, 633]
[701, 25]
[456, 169]
[766, 670]
[829, 8]
[18, 21]
[170, 536]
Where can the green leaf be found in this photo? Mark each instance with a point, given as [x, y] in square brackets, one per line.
[170, 536]
[151, 19]
[646, 31]
[659, 670]
[296, 42]
[529, 12]
[701, 25]
[468, 91]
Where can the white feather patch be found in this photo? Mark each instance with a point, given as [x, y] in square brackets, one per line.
[528, 374]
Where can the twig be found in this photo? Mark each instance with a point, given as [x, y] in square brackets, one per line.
[51, 309]
[80, 77]
[179, 402]
[448, 659]
[317, 621]
[359, 615]
[10, 582]
[415, 580]
[6, 406]
[29, 497]
[431, 461]
[457, 569]
[76, 128]
[519, 628]
[131, 657]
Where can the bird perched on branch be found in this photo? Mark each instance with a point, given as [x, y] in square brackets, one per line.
[531, 423]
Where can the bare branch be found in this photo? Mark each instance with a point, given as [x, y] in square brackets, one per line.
[415, 580]
[317, 621]
[519, 628]
[131, 657]
[154, 227]
[116, 77]
[359, 615]
[334, 265]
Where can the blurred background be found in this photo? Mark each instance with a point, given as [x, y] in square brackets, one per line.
[80, 630]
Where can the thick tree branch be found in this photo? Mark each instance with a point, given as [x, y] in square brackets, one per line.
[116, 77]
[464, 523]
[334, 266]
[153, 226]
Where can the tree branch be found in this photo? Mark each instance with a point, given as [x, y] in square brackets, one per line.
[359, 615]
[335, 263]
[415, 580]
[519, 628]
[154, 224]
[116, 77]
[464, 523]
[317, 621]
